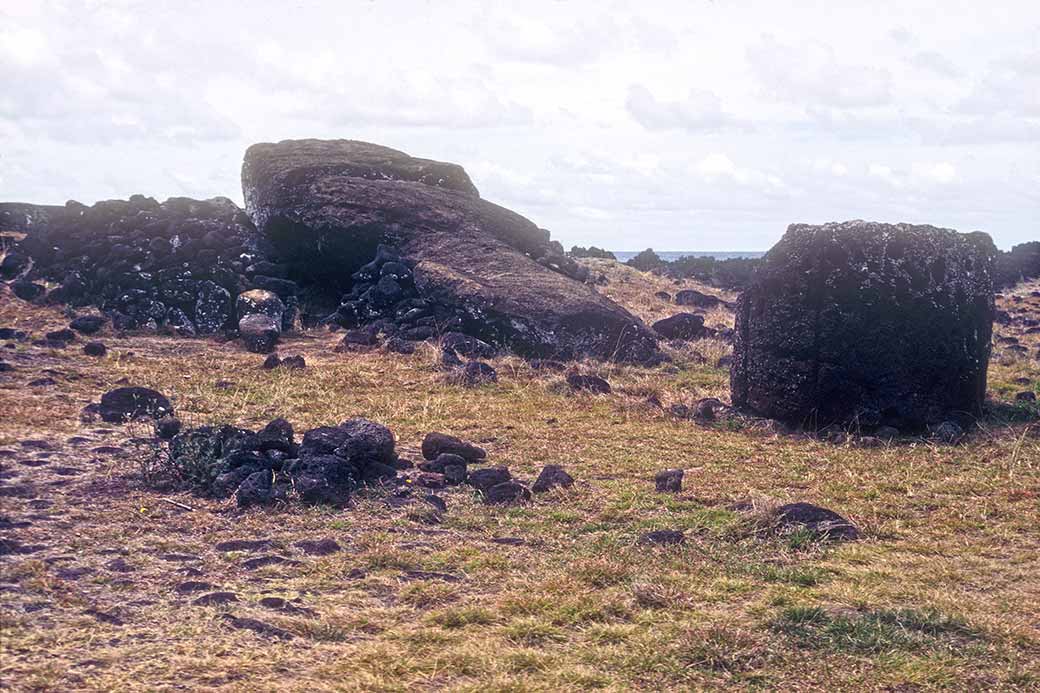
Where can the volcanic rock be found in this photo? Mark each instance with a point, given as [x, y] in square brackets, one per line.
[259, 332]
[436, 444]
[127, 403]
[866, 321]
[682, 326]
[821, 521]
[552, 476]
[326, 206]
[692, 297]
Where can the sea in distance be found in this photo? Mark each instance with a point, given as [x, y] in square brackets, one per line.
[670, 255]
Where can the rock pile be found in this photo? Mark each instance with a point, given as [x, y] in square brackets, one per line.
[144, 264]
[884, 325]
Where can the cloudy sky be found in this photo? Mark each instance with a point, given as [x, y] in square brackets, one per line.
[706, 125]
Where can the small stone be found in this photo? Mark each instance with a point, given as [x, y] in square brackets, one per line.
[167, 427]
[192, 586]
[507, 493]
[483, 479]
[822, 521]
[271, 362]
[669, 480]
[948, 432]
[430, 480]
[552, 476]
[435, 444]
[1026, 396]
[588, 383]
[95, 349]
[88, 324]
[259, 332]
[474, 374]
[319, 547]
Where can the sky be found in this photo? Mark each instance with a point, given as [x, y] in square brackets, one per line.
[692, 125]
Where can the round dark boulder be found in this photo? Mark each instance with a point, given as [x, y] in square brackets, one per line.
[435, 444]
[259, 332]
[467, 346]
[127, 403]
[507, 493]
[95, 349]
[88, 324]
[821, 521]
[167, 427]
[552, 476]
[483, 479]
[669, 480]
[27, 291]
[474, 374]
[588, 383]
[260, 301]
[366, 442]
[682, 326]
[692, 297]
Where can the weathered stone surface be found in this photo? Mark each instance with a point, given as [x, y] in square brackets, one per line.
[885, 324]
[259, 332]
[127, 403]
[326, 206]
[682, 326]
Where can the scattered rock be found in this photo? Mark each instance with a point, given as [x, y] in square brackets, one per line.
[215, 598]
[1025, 396]
[552, 476]
[319, 547]
[244, 545]
[95, 349]
[483, 479]
[88, 324]
[682, 326]
[167, 427]
[192, 586]
[506, 493]
[264, 561]
[821, 521]
[127, 403]
[692, 297]
[436, 444]
[259, 332]
[474, 374]
[669, 480]
[949, 432]
[588, 383]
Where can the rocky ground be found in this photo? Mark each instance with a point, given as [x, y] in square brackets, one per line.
[107, 583]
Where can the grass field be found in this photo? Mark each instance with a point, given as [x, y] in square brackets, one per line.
[943, 591]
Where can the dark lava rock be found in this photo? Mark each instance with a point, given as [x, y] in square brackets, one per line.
[947, 432]
[88, 324]
[95, 349]
[192, 586]
[663, 537]
[445, 459]
[856, 317]
[692, 297]
[474, 374]
[319, 547]
[663, 295]
[167, 427]
[435, 444]
[216, 599]
[506, 493]
[260, 301]
[588, 383]
[27, 291]
[63, 335]
[127, 403]
[547, 365]
[431, 480]
[326, 206]
[1026, 396]
[552, 476]
[682, 326]
[669, 480]
[243, 545]
[821, 521]
[704, 409]
[467, 346]
[259, 332]
[483, 479]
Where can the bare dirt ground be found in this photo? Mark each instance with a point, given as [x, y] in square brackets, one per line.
[107, 584]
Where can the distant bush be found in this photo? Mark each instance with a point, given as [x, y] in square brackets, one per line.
[646, 261]
[592, 251]
[733, 273]
[1020, 264]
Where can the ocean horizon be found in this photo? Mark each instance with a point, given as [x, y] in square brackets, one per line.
[671, 255]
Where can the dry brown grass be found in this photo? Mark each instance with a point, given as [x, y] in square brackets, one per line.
[951, 538]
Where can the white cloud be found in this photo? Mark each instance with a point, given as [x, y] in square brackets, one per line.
[701, 110]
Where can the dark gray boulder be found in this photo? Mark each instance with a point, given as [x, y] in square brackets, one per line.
[682, 326]
[127, 403]
[883, 324]
[692, 297]
[436, 444]
[820, 521]
[326, 206]
[259, 332]
[552, 476]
